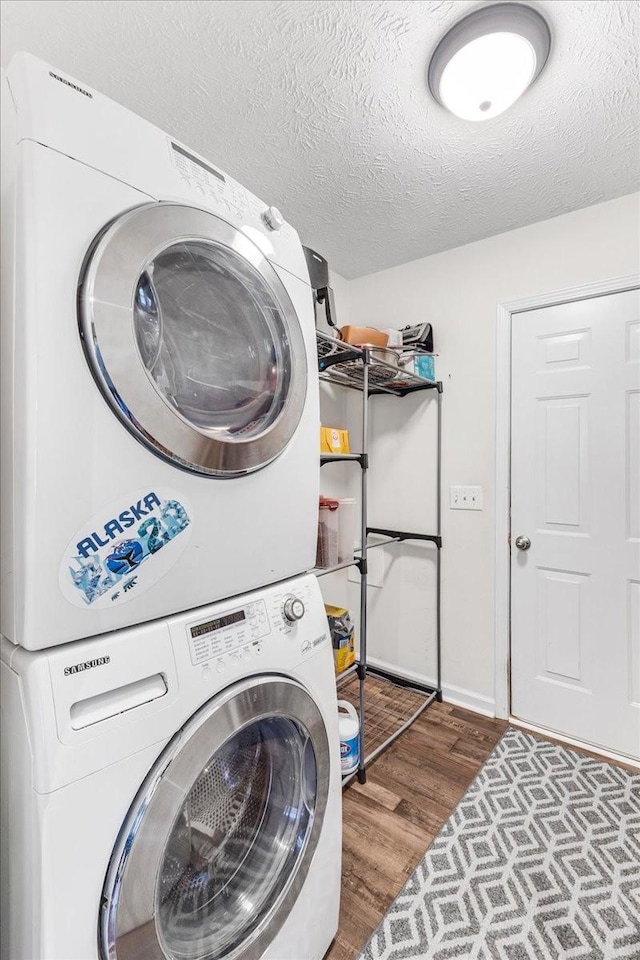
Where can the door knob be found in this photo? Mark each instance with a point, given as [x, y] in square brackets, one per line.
[523, 543]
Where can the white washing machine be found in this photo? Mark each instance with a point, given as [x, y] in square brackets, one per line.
[173, 792]
[159, 373]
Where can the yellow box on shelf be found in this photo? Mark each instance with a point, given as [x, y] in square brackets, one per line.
[344, 654]
[334, 440]
[342, 636]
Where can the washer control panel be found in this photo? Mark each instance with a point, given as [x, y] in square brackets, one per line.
[285, 621]
[228, 634]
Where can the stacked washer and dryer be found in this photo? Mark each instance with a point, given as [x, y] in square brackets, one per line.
[170, 761]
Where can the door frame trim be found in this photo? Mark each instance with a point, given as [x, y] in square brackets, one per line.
[502, 567]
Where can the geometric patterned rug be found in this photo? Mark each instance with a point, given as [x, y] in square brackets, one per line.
[540, 860]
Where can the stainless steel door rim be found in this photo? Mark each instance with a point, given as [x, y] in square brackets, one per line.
[130, 921]
[117, 272]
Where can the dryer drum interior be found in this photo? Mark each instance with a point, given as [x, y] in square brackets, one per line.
[192, 338]
[219, 840]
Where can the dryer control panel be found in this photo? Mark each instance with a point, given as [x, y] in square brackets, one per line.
[204, 181]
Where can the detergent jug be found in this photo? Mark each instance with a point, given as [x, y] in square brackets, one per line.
[349, 728]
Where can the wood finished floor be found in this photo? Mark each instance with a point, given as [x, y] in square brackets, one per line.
[390, 821]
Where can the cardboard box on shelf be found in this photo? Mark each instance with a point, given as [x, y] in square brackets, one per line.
[364, 336]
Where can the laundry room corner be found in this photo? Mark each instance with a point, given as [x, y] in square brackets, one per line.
[319, 480]
[460, 290]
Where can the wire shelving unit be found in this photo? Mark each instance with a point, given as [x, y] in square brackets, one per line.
[359, 368]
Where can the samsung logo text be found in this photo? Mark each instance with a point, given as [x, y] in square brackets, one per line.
[86, 665]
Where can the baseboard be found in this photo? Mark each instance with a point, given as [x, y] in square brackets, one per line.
[469, 700]
[458, 696]
[571, 742]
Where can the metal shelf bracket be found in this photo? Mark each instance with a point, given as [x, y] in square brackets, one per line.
[401, 535]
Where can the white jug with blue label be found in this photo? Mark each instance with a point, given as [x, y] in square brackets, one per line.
[349, 728]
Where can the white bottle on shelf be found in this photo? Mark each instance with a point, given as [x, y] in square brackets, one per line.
[349, 727]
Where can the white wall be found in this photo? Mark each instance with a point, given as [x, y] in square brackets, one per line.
[458, 291]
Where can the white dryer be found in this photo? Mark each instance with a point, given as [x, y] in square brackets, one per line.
[173, 792]
[159, 374]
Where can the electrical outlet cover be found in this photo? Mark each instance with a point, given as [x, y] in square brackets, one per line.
[465, 498]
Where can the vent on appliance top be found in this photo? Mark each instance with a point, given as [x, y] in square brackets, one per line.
[68, 83]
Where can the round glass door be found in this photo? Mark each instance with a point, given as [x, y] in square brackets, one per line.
[193, 339]
[218, 843]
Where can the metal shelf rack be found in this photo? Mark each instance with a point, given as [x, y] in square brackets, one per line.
[359, 368]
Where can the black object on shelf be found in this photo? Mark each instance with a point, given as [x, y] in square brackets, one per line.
[420, 335]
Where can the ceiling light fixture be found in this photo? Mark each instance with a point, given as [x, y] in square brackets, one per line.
[488, 59]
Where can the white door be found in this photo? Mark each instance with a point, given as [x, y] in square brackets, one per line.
[575, 494]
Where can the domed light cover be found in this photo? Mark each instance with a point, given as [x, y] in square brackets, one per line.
[488, 59]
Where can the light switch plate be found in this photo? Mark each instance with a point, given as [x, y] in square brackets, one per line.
[465, 498]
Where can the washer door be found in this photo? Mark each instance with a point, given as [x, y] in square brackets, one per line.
[219, 840]
[192, 338]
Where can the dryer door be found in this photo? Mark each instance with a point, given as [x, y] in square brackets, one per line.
[193, 339]
[218, 842]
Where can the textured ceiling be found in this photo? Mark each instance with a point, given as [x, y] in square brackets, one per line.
[320, 107]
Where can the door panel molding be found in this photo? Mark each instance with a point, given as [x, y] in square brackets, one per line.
[502, 589]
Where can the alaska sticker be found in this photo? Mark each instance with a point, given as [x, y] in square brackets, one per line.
[125, 549]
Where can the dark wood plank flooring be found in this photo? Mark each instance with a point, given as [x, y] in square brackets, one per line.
[390, 821]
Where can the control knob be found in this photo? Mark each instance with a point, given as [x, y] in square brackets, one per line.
[273, 218]
[292, 609]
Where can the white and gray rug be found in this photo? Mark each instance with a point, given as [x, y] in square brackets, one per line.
[540, 860]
